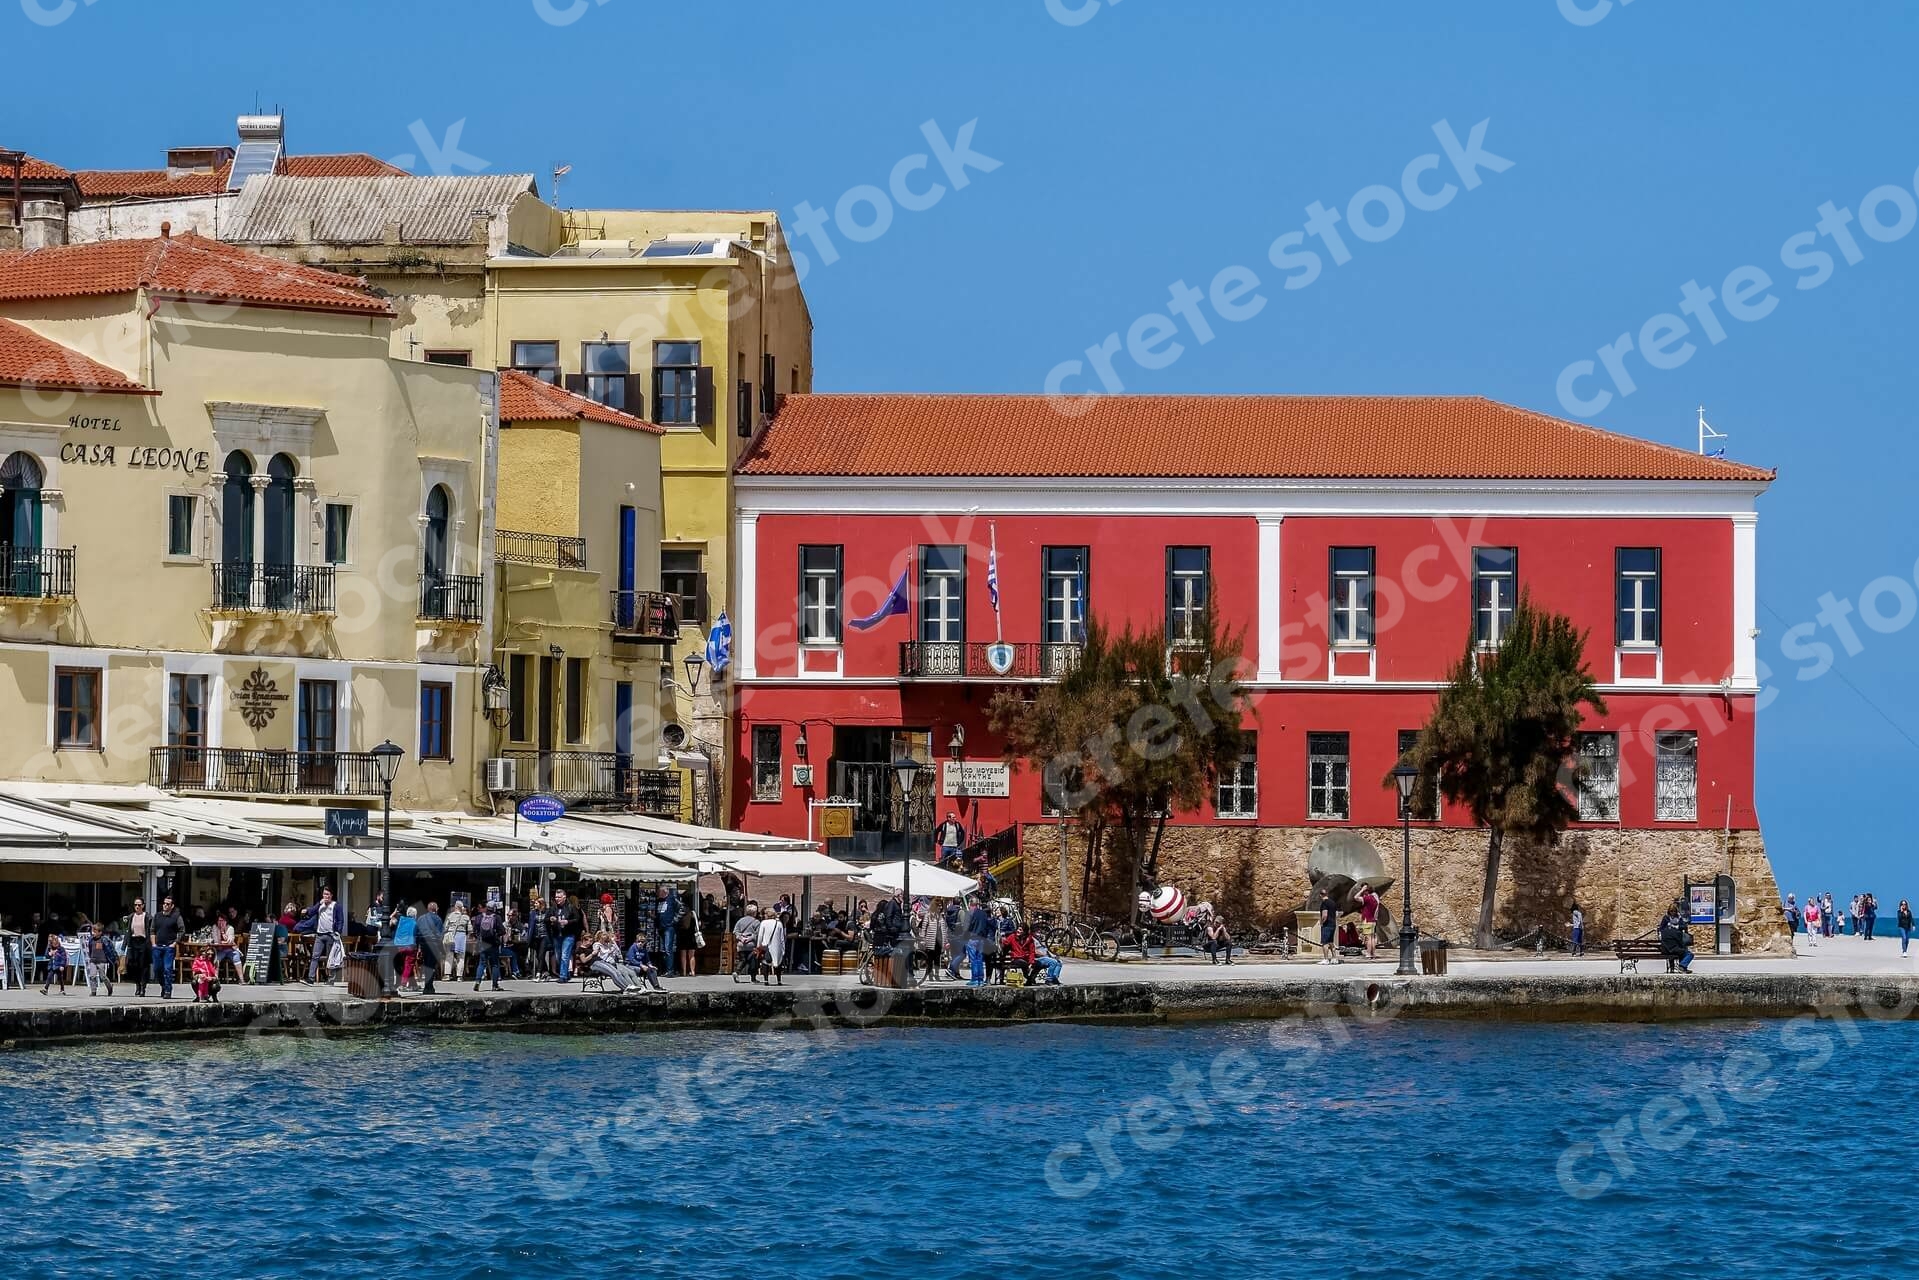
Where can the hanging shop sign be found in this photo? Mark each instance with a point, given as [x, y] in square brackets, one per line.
[542, 809]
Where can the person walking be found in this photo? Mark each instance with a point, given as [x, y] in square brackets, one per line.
[666, 919]
[1870, 905]
[457, 930]
[1826, 914]
[1328, 928]
[565, 923]
[1792, 913]
[430, 930]
[489, 930]
[99, 958]
[979, 927]
[950, 839]
[329, 923]
[746, 941]
[139, 948]
[1813, 923]
[56, 965]
[692, 940]
[1368, 917]
[165, 931]
[1905, 925]
[1579, 930]
[772, 946]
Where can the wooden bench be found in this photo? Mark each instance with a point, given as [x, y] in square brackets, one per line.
[1631, 951]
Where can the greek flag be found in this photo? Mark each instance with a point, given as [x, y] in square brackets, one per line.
[719, 644]
[992, 567]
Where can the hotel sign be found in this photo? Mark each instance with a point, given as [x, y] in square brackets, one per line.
[258, 699]
[975, 779]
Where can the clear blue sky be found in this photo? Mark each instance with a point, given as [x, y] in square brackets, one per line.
[1157, 140]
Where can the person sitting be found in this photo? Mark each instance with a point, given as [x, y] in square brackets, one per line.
[1218, 939]
[226, 946]
[641, 963]
[604, 960]
[1027, 954]
[206, 979]
[1675, 941]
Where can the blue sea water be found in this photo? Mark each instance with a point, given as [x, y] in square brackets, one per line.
[1294, 1148]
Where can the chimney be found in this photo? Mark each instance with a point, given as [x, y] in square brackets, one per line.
[45, 225]
[166, 231]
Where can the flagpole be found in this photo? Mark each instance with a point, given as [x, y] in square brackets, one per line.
[992, 533]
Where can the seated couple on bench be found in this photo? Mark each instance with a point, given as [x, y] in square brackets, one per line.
[636, 972]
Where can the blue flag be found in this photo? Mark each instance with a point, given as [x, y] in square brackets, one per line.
[719, 644]
[895, 602]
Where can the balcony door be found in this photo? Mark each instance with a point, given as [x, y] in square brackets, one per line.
[236, 531]
[276, 532]
[549, 701]
[318, 727]
[20, 481]
[433, 553]
[187, 729]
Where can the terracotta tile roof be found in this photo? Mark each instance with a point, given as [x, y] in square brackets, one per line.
[120, 184]
[524, 398]
[29, 360]
[189, 266]
[31, 168]
[1251, 437]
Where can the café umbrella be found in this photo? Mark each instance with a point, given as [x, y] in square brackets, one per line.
[934, 882]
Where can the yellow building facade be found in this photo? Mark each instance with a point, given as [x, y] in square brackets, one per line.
[243, 545]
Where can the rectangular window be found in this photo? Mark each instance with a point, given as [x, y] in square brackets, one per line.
[1237, 795]
[1637, 571]
[1065, 600]
[820, 595]
[575, 701]
[1425, 804]
[436, 722]
[519, 686]
[339, 531]
[1495, 591]
[1676, 777]
[1352, 595]
[683, 576]
[676, 383]
[180, 509]
[943, 594]
[76, 716]
[1188, 590]
[607, 366]
[766, 762]
[186, 711]
[1328, 776]
[769, 374]
[1599, 766]
[461, 359]
[540, 359]
[743, 412]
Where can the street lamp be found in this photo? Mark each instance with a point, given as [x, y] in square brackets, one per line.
[799, 744]
[908, 770]
[695, 662]
[386, 759]
[956, 745]
[1406, 778]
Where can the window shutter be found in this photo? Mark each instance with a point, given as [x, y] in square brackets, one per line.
[769, 371]
[745, 424]
[635, 395]
[703, 396]
[659, 376]
[576, 383]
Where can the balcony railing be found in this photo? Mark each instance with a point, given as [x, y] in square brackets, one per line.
[954, 660]
[236, 771]
[543, 549]
[451, 597]
[645, 615]
[273, 588]
[596, 778]
[35, 573]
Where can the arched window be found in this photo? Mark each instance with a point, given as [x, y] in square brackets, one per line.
[277, 527]
[236, 510]
[439, 506]
[20, 480]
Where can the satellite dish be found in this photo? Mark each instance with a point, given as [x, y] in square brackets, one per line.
[673, 735]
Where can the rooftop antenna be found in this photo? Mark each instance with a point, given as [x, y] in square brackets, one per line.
[559, 171]
[1707, 433]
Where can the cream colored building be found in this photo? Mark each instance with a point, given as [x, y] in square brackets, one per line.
[243, 544]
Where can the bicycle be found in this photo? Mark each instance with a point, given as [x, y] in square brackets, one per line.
[1088, 938]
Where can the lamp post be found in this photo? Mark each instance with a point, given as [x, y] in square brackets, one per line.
[908, 771]
[386, 758]
[1406, 778]
[695, 662]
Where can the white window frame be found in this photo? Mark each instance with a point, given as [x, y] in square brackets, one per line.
[1241, 785]
[1190, 592]
[352, 532]
[767, 785]
[1667, 776]
[1316, 761]
[943, 610]
[197, 536]
[1067, 589]
[814, 630]
[1605, 807]
[1357, 631]
[1645, 617]
[1501, 605]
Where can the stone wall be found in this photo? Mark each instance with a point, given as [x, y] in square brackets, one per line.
[1624, 879]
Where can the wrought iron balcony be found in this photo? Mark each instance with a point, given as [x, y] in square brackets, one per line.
[646, 615]
[451, 597]
[273, 588]
[35, 573]
[601, 779]
[541, 549]
[954, 660]
[236, 771]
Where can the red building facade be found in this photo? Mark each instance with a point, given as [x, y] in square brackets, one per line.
[1356, 543]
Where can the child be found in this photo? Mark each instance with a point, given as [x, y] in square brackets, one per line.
[56, 964]
[100, 960]
[206, 974]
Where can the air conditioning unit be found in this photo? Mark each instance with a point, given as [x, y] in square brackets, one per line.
[502, 775]
[802, 775]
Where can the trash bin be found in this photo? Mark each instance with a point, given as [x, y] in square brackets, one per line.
[363, 975]
[1432, 955]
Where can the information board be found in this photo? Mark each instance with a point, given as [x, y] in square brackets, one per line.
[259, 953]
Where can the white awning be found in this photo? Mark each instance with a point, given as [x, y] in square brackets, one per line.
[664, 834]
[89, 856]
[638, 866]
[272, 857]
[463, 859]
[785, 862]
[934, 882]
